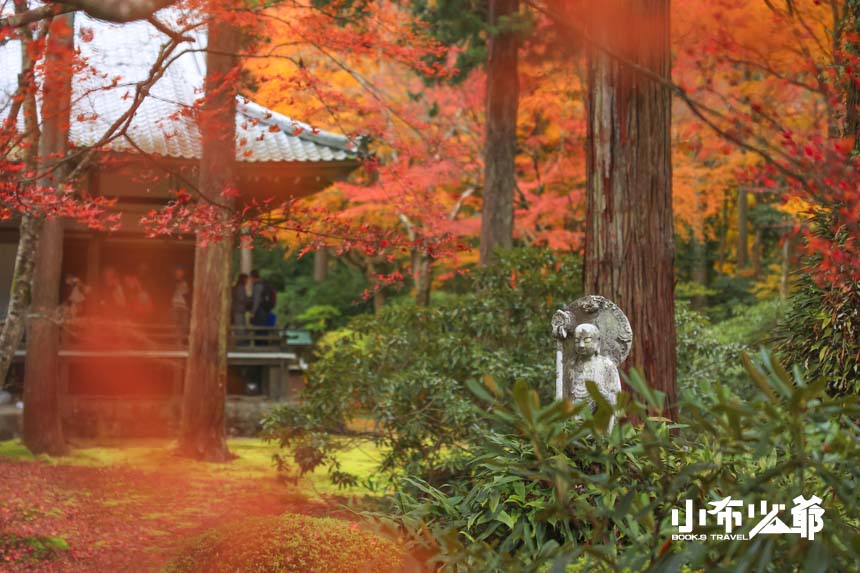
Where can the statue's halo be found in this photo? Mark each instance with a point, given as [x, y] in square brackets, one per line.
[616, 336]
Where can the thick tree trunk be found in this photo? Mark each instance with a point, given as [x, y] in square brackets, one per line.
[30, 227]
[378, 290]
[629, 235]
[758, 254]
[118, 10]
[202, 433]
[320, 264]
[497, 217]
[43, 431]
[422, 272]
[743, 236]
[852, 89]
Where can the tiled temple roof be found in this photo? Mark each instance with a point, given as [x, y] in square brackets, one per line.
[163, 125]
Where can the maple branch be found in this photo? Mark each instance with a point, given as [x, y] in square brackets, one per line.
[44, 12]
[764, 67]
[362, 81]
[459, 204]
[188, 183]
[700, 110]
[120, 126]
[119, 11]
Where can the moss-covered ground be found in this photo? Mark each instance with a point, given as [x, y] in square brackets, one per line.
[129, 506]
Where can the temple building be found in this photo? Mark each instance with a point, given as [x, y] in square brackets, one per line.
[114, 374]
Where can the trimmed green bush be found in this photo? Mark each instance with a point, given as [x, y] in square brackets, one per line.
[289, 544]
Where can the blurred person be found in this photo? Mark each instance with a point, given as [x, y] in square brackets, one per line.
[179, 304]
[77, 298]
[239, 303]
[138, 299]
[112, 299]
[263, 300]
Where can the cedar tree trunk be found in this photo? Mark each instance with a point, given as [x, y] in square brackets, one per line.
[43, 430]
[497, 217]
[202, 432]
[629, 250]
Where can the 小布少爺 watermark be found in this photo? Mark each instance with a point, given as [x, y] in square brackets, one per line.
[806, 519]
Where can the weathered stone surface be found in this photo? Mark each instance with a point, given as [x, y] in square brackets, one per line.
[245, 414]
[97, 417]
[616, 334]
[152, 417]
[10, 422]
[594, 337]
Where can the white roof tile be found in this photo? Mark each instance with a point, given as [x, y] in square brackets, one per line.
[160, 127]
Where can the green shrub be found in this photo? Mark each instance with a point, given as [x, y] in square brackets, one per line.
[821, 332]
[288, 544]
[549, 490]
[405, 369]
[709, 354]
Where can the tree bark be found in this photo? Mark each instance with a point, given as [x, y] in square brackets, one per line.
[700, 270]
[852, 90]
[422, 272]
[743, 236]
[43, 430]
[629, 250]
[725, 223]
[320, 264]
[785, 269]
[20, 292]
[700, 253]
[758, 254]
[202, 433]
[497, 217]
[109, 10]
[378, 289]
[117, 10]
[29, 227]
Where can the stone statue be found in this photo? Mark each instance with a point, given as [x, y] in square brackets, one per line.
[588, 364]
[601, 340]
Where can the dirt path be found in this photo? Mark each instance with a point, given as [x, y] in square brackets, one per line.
[130, 509]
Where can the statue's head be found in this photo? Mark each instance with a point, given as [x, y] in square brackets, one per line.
[586, 340]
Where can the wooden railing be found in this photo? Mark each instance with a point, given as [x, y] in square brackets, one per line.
[103, 334]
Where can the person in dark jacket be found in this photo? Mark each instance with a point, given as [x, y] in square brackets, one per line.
[239, 301]
[262, 304]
